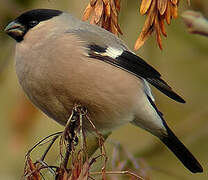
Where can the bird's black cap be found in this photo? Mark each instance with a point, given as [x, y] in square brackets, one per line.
[37, 15]
[29, 19]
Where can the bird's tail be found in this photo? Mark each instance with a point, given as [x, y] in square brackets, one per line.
[183, 154]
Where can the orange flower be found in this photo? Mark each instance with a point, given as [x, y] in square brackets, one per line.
[104, 13]
[157, 12]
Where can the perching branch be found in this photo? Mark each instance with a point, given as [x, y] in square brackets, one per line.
[195, 22]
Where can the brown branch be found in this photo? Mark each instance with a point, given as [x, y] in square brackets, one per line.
[119, 172]
[195, 22]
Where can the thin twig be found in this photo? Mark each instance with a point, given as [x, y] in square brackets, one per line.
[81, 136]
[101, 146]
[118, 172]
[55, 134]
[66, 158]
[49, 147]
[69, 136]
[45, 165]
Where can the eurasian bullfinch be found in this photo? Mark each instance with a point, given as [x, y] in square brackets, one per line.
[61, 61]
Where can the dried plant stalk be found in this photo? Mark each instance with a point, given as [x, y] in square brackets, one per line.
[79, 164]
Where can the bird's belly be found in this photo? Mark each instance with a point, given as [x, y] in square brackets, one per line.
[107, 109]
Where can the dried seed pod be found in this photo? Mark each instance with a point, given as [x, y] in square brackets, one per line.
[164, 10]
[145, 6]
[104, 13]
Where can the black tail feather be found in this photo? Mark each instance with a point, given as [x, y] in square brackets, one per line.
[177, 147]
[183, 154]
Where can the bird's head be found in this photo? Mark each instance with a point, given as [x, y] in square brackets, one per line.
[28, 20]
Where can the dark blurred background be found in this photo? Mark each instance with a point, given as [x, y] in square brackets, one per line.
[183, 64]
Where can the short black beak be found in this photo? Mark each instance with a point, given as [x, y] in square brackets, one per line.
[15, 30]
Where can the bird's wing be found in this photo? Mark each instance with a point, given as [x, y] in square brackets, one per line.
[118, 55]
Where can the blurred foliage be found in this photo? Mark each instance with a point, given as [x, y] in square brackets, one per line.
[183, 64]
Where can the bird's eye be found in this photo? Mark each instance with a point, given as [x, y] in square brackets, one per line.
[33, 23]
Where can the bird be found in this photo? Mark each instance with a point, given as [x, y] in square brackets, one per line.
[61, 60]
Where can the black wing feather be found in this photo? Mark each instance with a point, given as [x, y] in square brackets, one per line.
[137, 66]
[149, 73]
